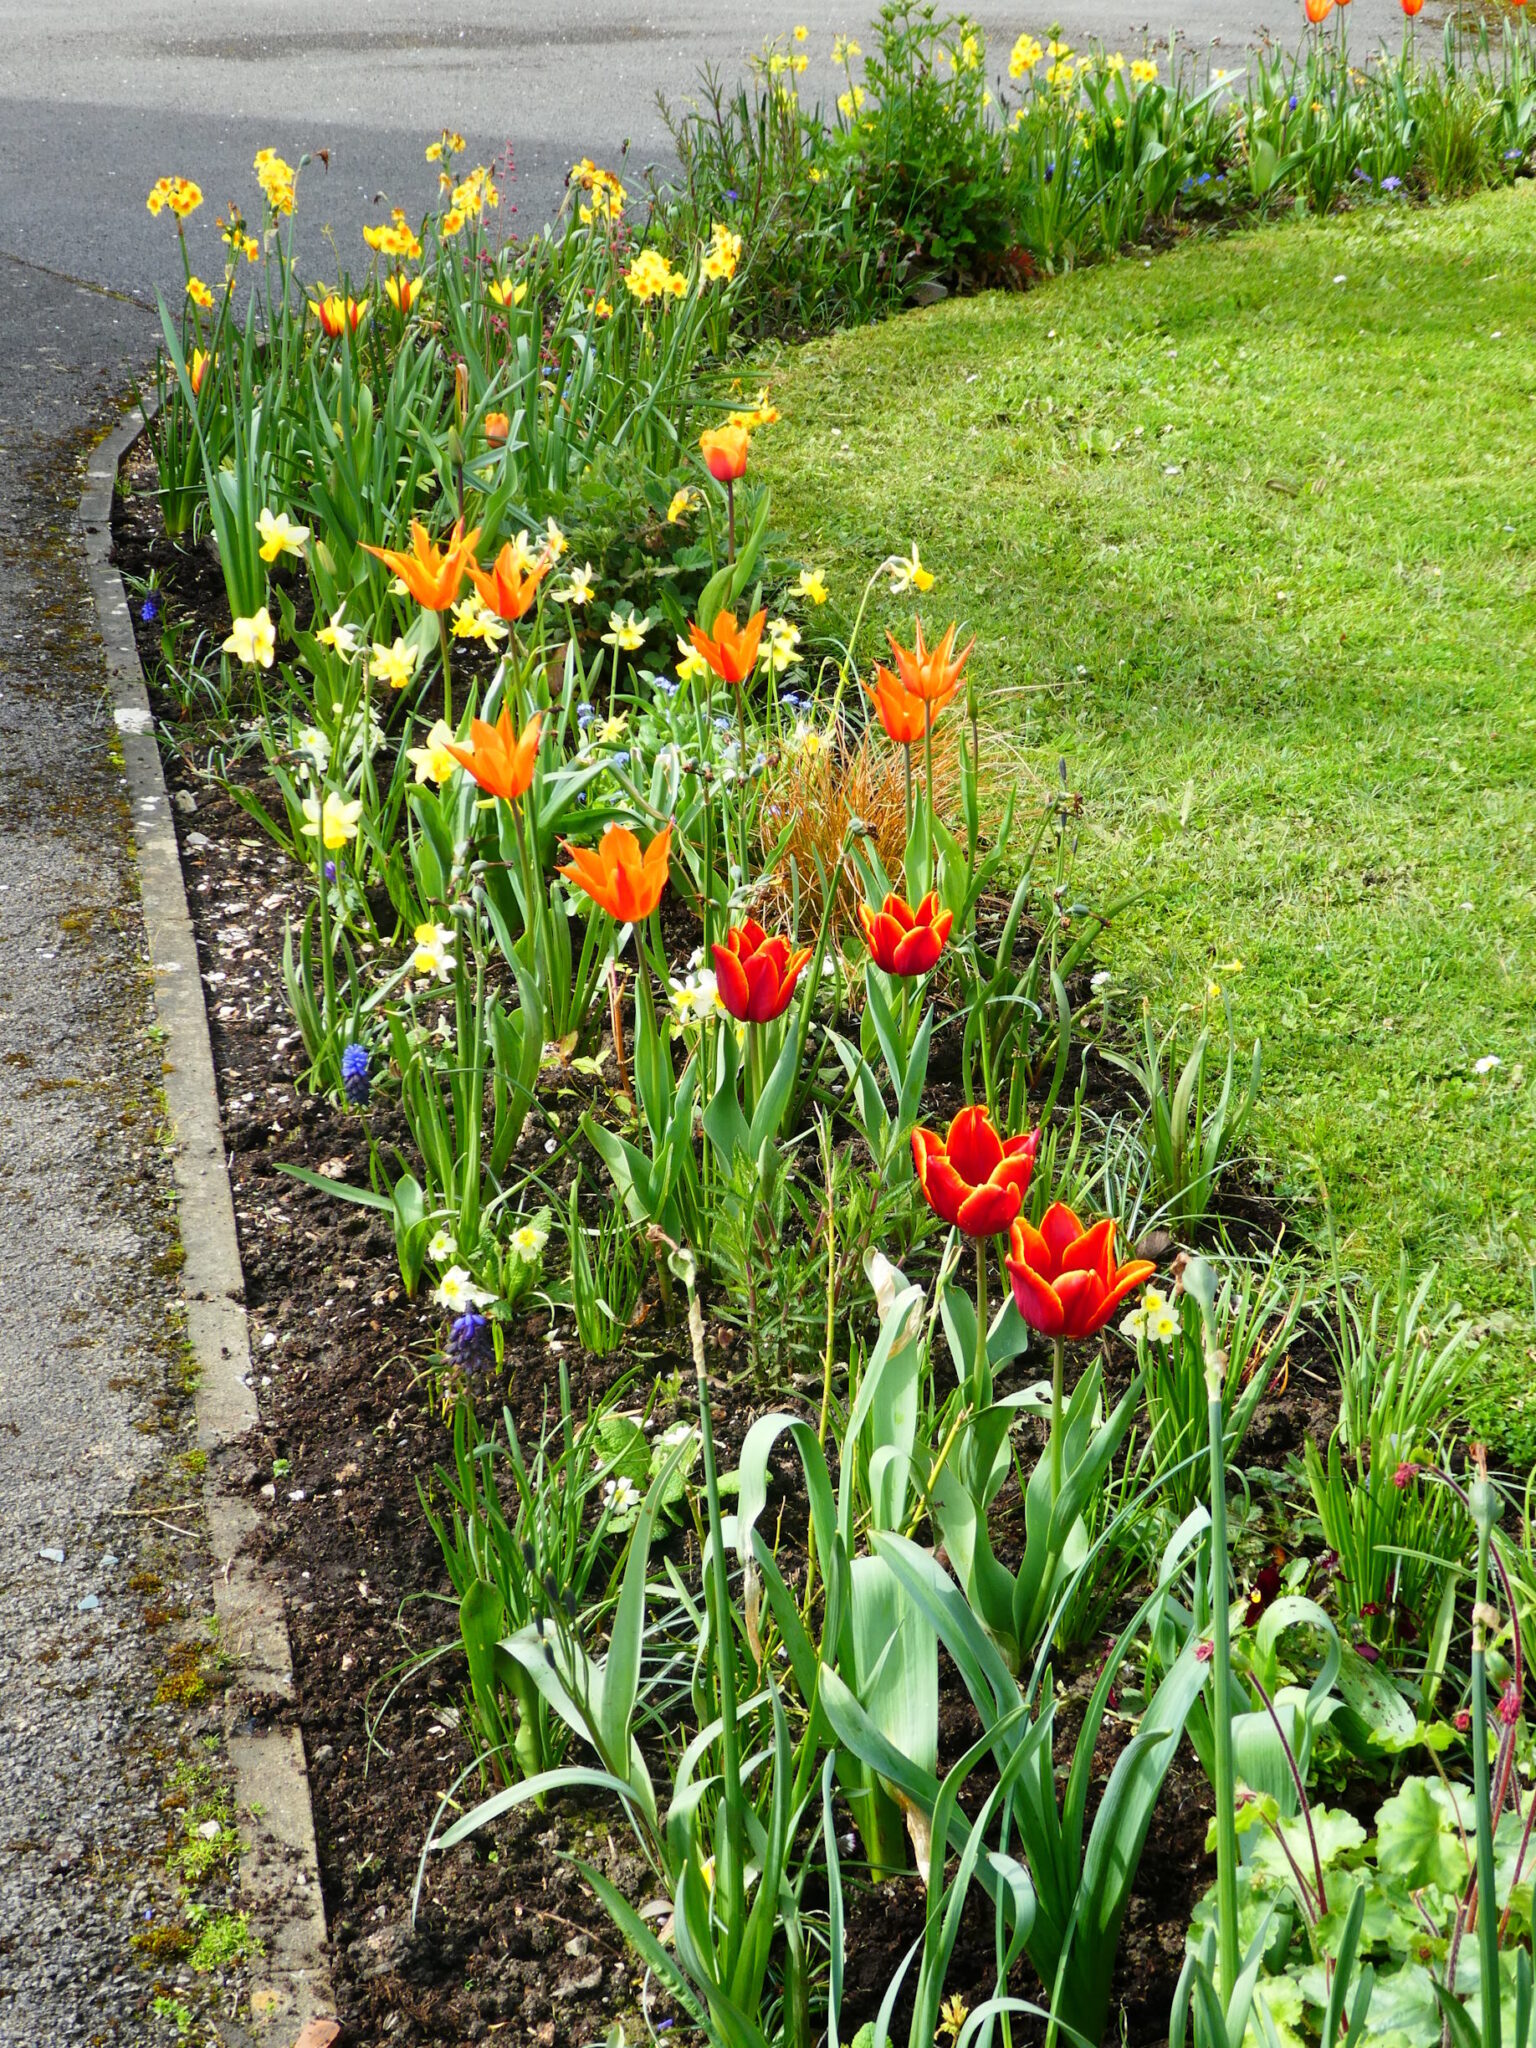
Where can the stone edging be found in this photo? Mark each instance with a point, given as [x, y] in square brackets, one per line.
[279, 1867]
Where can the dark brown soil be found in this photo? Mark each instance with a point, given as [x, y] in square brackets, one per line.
[509, 1941]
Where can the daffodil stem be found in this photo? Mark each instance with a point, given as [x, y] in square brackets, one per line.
[1223, 1781]
[1058, 1374]
[327, 959]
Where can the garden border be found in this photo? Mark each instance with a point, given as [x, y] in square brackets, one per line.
[291, 1991]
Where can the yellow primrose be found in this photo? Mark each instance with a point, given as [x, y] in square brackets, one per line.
[336, 823]
[253, 641]
[393, 665]
[279, 534]
[432, 760]
[809, 584]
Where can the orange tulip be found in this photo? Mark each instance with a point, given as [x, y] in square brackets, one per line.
[730, 652]
[725, 451]
[434, 576]
[906, 716]
[1411, 7]
[506, 588]
[1065, 1279]
[497, 758]
[1318, 11]
[497, 428]
[930, 672]
[755, 975]
[618, 877]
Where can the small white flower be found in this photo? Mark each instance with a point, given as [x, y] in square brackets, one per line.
[456, 1292]
[697, 998]
[1101, 980]
[620, 1495]
[434, 952]
[1487, 1064]
[313, 742]
[678, 1433]
[441, 1249]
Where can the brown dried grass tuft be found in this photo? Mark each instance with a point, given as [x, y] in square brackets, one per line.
[820, 791]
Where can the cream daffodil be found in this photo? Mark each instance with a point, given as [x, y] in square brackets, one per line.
[432, 760]
[279, 534]
[626, 631]
[338, 635]
[579, 589]
[433, 954]
[907, 573]
[393, 665]
[253, 640]
[335, 822]
[473, 620]
[810, 584]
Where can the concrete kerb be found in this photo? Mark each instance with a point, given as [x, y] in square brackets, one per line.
[279, 1868]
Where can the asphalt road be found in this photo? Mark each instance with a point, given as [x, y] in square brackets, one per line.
[100, 98]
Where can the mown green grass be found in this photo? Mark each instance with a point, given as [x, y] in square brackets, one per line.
[1245, 533]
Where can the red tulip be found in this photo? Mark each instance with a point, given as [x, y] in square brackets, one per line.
[756, 975]
[972, 1177]
[903, 940]
[1065, 1279]
[1411, 7]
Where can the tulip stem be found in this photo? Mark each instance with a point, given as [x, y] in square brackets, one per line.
[906, 814]
[981, 1394]
[1058, 1369]
[730, 520]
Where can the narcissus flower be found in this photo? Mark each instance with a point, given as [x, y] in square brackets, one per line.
[781, 650]
[393, 665]
[508, 587]
[971, 1176]
[499, 759]
[432, 957]
[181, 195]
[730, 652]
[626, 631]
[902, 940]
[907, 573]
[433, 760]
[651, 276]
[722, 253]
[725, 451]
[1144, 70]
[755, 976]
[578, 590]
[905, 716]
[1065, 1279]
[334, 822]
[403, 291]
[279, 534]
[683, 502]
[930, 672]
[810, 584]
[253, 640]
[199, 293]
[434, 576]
[473, 620]
[338, 635]
[618, 877]
[336, 313]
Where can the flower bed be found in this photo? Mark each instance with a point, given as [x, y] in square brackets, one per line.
[761, 1382]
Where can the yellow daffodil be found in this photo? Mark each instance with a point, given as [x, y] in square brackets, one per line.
[338, 635]
[473, 620]
[722, 253]
[691, 665]
[781, 646]
[844, 50]
[253, 641]
[849, 103]
[335, 823]
[809, 584]
[555, 542]
[651, 276]
[907, 573]
[276, 179]
[578, 590]
[199, 293]
[447, 144]
[1116, 63]
[684, 502]
[432, 956]
[279, 535]
[603, 310]
[393, 665]
[432, 760]
[626, 631]
[801, 34]
[1143, 70]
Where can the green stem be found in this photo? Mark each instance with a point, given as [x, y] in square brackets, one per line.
[1224, 1784]
[729, 1875]
[1487, 1895]
[981, 1394]
[442, 637]
[730, 519]
[1058, 1370]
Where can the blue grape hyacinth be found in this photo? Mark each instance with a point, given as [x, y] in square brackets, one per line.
[471, 1347]
[355, 1082]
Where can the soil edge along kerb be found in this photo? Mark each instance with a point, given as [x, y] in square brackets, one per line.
[279, 1868]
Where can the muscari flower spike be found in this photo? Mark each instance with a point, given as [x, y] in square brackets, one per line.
[355, 1082]
[471, 1347]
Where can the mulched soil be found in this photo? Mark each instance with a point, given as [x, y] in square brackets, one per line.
[509, 1941]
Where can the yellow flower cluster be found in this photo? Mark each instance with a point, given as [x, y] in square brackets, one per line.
[199, 293]
[722, 253]
[275, 179]
[607, 197]
[761, 414]
[849, 103]
[474, 193]
[1024, 56]
[232, 233]
[394, 237]
[1143, 70]
[844, 50]
[651, 276]
[179, 194]
[448, 145]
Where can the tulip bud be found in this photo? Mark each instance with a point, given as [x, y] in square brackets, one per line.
[461, 390]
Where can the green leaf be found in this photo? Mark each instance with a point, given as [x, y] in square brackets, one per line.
[1417, 1840]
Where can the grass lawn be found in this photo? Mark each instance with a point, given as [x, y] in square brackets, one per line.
[1245, 532]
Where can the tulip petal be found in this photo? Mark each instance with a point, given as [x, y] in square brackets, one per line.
[1060, 1228]
[1094, 1251]
[989, 1209]
[1029, 1248]
[1126, 1281]
[1080, 1294]
[916, 952]
[973, 1146]
[1038, 1302]
[731, 982]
